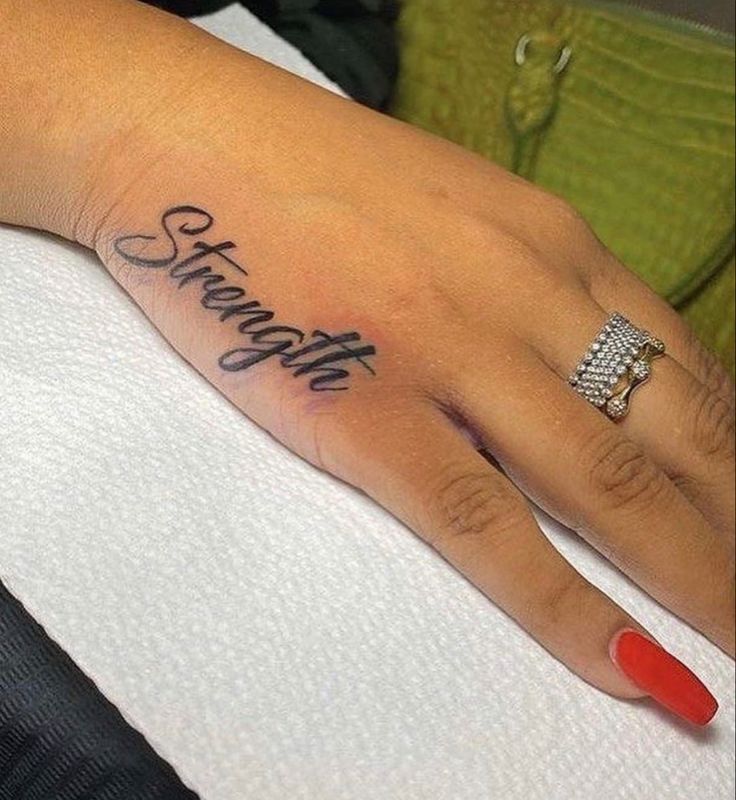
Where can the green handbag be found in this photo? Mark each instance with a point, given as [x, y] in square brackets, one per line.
[627, 114]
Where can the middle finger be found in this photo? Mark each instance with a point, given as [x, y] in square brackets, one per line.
[683, 425]
[585, 471]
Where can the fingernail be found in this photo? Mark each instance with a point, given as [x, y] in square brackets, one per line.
[662, 676]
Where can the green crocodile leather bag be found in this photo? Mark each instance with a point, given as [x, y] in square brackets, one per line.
[627, 114]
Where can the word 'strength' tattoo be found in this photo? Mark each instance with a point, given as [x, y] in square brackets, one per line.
[184, 261]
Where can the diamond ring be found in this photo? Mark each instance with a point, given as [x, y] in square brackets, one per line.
[616, 363]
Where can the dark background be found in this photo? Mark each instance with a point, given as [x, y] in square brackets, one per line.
[717, 13]
[354, 42]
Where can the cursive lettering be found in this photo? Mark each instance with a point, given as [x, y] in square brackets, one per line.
[326, 359]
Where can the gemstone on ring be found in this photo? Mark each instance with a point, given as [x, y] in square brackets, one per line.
[616, 362]
[640, 370]
[616, 407]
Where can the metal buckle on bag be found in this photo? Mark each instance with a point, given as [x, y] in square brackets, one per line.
[526, 39]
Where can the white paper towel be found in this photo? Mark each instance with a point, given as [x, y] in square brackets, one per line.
[272, 631]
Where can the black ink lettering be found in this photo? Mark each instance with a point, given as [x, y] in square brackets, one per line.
[225, 294]
[238, 310]
[215, 297]
[256, 354]
[202, 249]
[258, 316]
[184, 228]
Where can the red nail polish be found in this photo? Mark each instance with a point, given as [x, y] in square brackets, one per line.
[663, 677]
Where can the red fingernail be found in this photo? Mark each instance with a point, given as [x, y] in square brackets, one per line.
[663, 677]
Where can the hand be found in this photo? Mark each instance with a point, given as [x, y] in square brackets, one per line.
[405, 315]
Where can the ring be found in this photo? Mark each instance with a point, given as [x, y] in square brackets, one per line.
[618, 360]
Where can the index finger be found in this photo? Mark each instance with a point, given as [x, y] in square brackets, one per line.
[427, 473]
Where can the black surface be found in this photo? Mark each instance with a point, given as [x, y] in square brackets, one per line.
[716, 13]
[60, 738]
[353, 42]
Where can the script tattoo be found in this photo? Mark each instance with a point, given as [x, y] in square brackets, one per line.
[323, 357]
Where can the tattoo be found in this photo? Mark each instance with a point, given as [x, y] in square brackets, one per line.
[322, 356]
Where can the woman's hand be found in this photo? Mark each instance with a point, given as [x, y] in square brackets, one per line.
[402, 314]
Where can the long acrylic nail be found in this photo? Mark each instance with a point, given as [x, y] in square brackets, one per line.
[662, 676]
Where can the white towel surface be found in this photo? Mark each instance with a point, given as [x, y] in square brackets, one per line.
[274, 633]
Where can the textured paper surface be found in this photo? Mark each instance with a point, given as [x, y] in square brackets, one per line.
[272, 631]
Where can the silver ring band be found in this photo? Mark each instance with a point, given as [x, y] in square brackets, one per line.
[618, 360]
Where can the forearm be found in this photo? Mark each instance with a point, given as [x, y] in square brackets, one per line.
[98, 95]
[76, 83]
[101, 99]
[123, 127]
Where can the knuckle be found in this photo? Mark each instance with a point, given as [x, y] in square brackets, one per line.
[475, 232]
[511, 254]
[716, 378]
[712, 424]
[565, 215]
[562, 601]
[711, 371]
[474, 506]
[505, 248]
[713, 604]
[135, 280]
[419, 295]
[621, 473]
[726, 596]
[571, 226]
[570, 230]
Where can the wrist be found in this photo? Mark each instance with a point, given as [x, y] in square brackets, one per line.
[78, 101]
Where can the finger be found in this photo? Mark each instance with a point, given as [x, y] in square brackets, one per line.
[423, 470]
[687, 428]
[582, 468]
[614, 286]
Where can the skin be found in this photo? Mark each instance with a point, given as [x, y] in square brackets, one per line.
[478, 291]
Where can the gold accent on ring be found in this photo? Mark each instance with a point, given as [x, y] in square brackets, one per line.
[617, 406]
